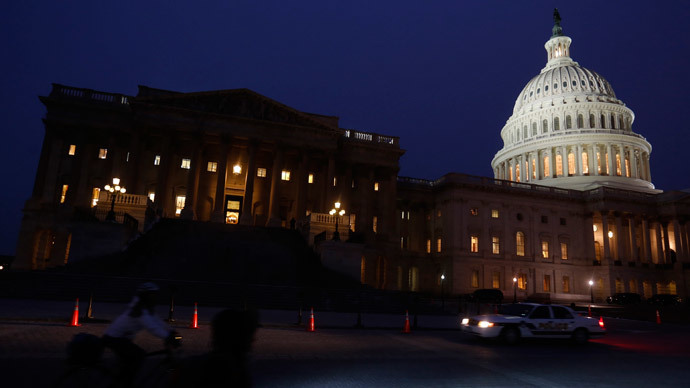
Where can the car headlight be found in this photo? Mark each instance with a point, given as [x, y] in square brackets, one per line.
[485, 324]
[465, 321]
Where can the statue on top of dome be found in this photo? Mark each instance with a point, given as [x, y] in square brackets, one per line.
[557, 30]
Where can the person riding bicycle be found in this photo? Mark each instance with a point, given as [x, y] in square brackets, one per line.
[139, 315]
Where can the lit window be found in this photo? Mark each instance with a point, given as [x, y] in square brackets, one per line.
[285, 175]
[64, 193]
[474, 244]
[475, 278]
[438, 245]
[495, 245]
[522, 281]
[494, 213]
[496, 280]
[157, 160]
[474, 211]
[547, 167]
[95, 193]
[102, 153]
[376, 186]
[564, 251]
[566, 284]
[428, 245]
[152, 196]
[520, 243]
[352, 184]
[585, 163]
[127, 157]
[335, 181]
[545, 249]
[186, 164]
[374, 223]
[571, 164]
[212, 166]
[261, 172]
[438, 213]
[559, 165]
[179, 204]
[72, 150]
[407, 213]
[547, 283]
[310, 179]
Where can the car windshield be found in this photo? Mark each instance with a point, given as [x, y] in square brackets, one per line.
[518, 310]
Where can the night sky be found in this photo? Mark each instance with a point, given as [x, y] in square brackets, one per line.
[441, 75]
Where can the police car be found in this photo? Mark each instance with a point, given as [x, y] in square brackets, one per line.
[530, 320]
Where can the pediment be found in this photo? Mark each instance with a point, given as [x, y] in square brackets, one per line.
[235, 102]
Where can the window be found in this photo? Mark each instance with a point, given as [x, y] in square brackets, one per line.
[592, 124]
[559, 165]
[438, 245]
[544, 126]
[547, 283]
[413, 279]
[474, 244]
[186, 163]
[64, 193]
[179, 204]
[496, 280]
[494, 213]
[475, 278]
[566, 284]
[564, 251]
[352, 184]
[157, 160]
[619, 285]
[571, 164]
[72, 150]
[374, 223]
[520, 243]
[102, 153]
[127, 157]
[522, 281]
[285, 175]
[568, 122]
[585, 163]
[545, 249]
[603, 121]
[212, 167]
[547, 167]
[474, 211]
[534, 129]
[495, 245]
[95, 193]
[335, 181]
[561, 313]
[261, 172]
[618, 165]
[556, 124]
[376, 186]
[428, 245]
[580, 121]
[310, 178]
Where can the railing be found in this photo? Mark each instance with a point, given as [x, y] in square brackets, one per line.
[371, 137]
[89, 94]
[123, 199]
[322, 218]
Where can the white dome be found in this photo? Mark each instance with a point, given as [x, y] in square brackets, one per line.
[569, 130]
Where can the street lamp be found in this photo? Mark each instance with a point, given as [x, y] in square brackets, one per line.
[591, 292]
[443, 300]
[337, 212]
[514, 290]
[114, 190]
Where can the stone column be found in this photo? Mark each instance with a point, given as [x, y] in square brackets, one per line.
[246, 217]
[218, 214]
[678, 240]
[624, 169]
[564, 160]
[189, 210]
[646, 241]
[659, 243]
[667, 245]
[633, 163]
[620, 238]
[274, 210]
[589, 236]
[552, 162]
[632, 229]
[578, 160]
[593, 163]
[611, 162]
[605, 232]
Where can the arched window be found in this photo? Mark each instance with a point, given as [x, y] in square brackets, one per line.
[524, 132]
[544, 126]
[585, 163]
[520, 244]
[571, 164]
[556, 124]
[559, 165]
[534, 129]
[568, 122]
[603, 121]
[613, 121]
[592, 124]
[580, 121]
[547, 167]
[517, 172]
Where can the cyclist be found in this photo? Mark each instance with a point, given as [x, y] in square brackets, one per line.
[138, 316]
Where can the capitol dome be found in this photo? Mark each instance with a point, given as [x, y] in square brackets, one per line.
[569, 130]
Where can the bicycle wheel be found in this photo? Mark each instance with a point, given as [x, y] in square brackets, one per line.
[85, 376]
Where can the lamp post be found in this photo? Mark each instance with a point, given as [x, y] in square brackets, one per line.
[114, 190]
[443, 300]
[591, 292]
[514, 290]
[337, 212]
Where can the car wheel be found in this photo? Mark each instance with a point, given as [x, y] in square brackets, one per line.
[511, 335]
[580, 336]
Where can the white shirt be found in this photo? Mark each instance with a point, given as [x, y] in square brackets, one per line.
[127, 326]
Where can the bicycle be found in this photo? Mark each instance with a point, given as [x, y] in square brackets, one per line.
[86, 366]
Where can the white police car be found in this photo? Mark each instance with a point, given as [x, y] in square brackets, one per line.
[531, 320]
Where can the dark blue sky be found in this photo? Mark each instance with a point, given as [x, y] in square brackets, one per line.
[442, 76]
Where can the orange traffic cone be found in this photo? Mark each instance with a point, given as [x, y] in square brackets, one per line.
[406, 328]
[195, 318]
[311, 326]
[75, 315]
[658, 317]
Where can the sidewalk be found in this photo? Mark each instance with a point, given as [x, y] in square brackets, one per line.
[61, 311]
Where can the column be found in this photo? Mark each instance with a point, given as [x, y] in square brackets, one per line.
[605, 232]
[620, 240]
[633, 163]
[552, 162]
[273, 215]
[648, 171]
[246, 216]
[526, 166]
[659, 244]
[218, 214]
[624, 169]
[646, 241]
[564, 160]
[189, 210]
[632, 229]
[667, 245]
[593, 164]
[578, 160]
[611, 167]
[589, 237]
[678, 240]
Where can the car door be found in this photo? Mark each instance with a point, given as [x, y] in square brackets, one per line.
[540, 322]
[563, 321]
